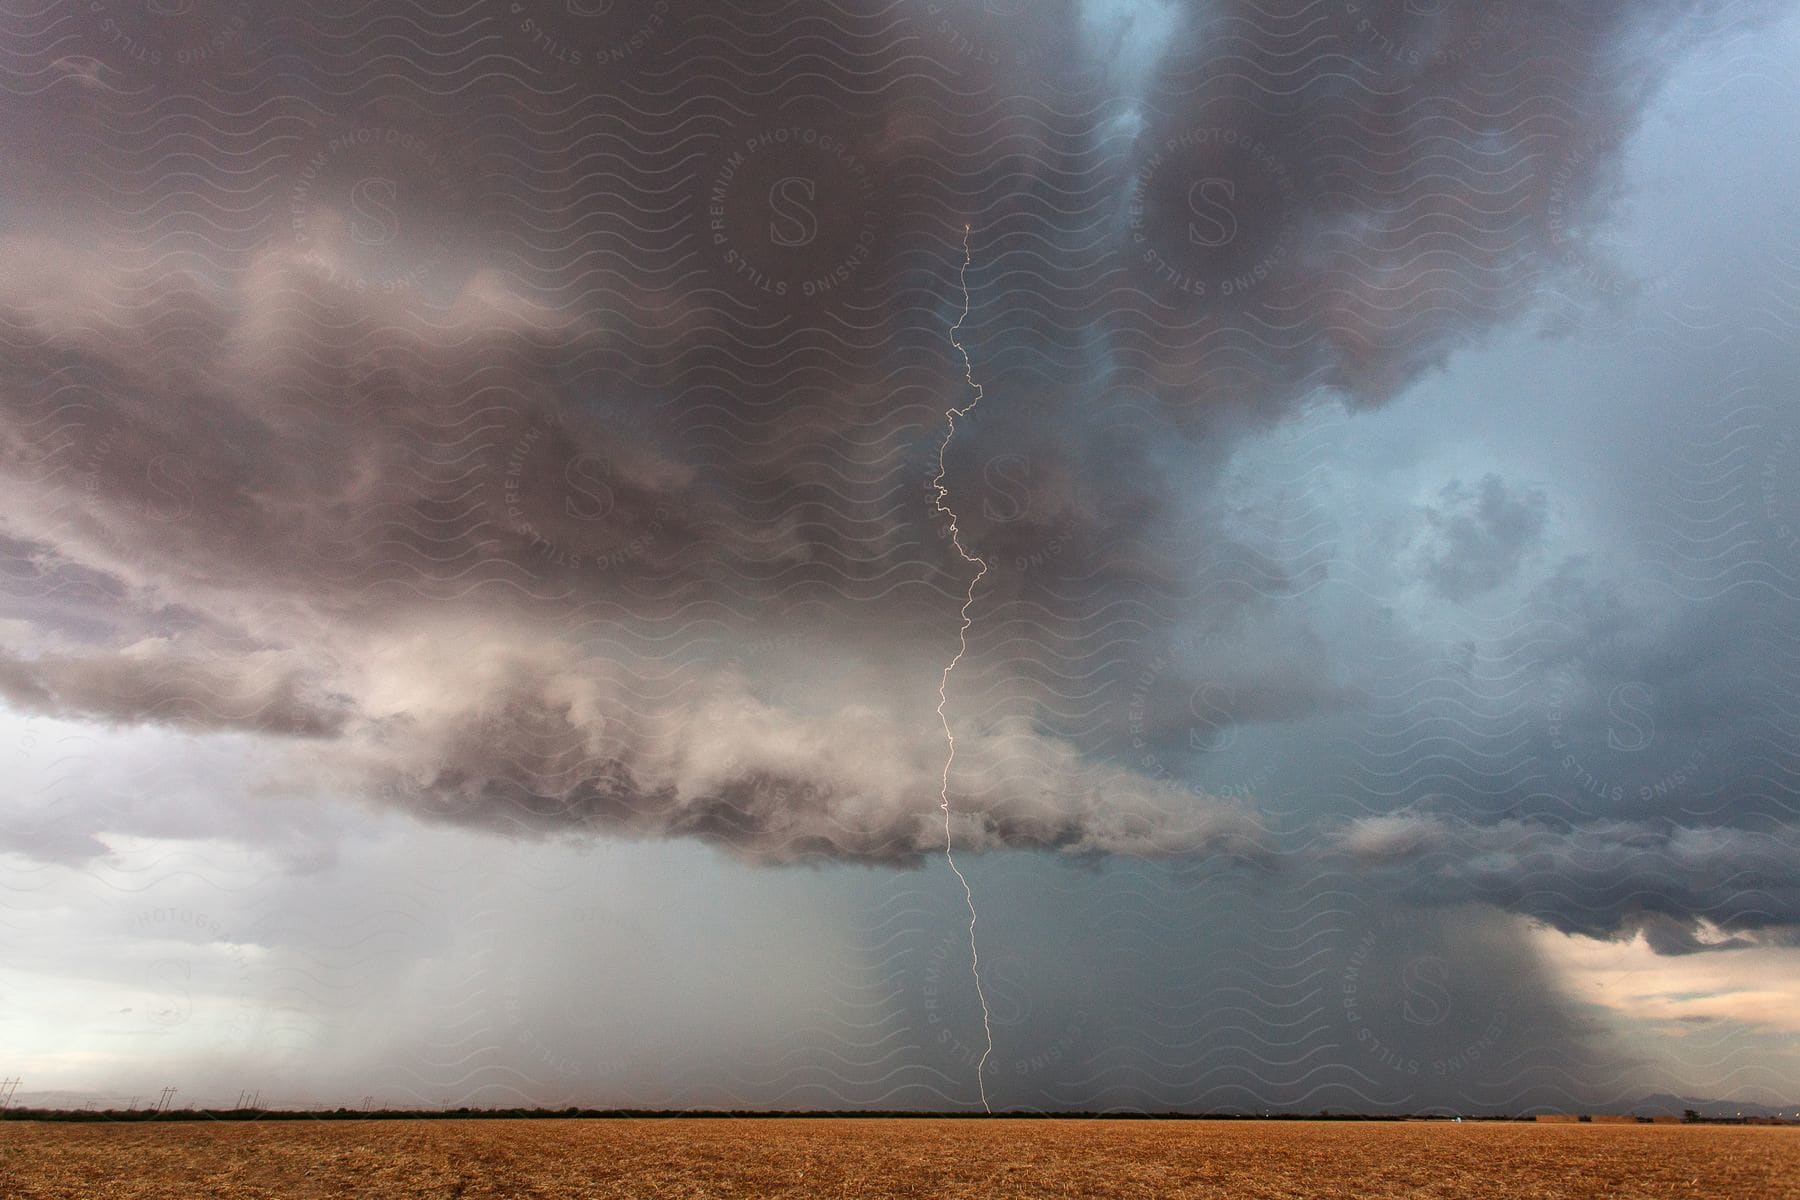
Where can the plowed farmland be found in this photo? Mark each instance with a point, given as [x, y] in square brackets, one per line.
[675, 1159]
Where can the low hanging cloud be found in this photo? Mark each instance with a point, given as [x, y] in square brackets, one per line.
[262, 692]
[1475, 539]
[1603, 879]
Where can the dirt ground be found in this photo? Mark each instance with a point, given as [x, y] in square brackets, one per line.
[941, 1159]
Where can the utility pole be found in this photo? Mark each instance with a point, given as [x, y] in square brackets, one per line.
[7, 1088]
[162, 1103]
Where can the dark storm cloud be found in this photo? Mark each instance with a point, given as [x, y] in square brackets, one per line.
[1673, 937]
[1344, 195]
[1476, 538]
[1602, 879]
[265, 693]
[502, 400]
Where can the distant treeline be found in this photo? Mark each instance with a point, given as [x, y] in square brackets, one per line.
[549, 1114]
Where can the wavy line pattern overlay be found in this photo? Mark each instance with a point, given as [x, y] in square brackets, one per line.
[487, 490]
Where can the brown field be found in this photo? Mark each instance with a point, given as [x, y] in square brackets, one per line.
[941, 1159]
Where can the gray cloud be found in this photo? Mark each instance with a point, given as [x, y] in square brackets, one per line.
[498, 463]
[154, 682]
[1476, 538]
[1601, 879]
[524, 435]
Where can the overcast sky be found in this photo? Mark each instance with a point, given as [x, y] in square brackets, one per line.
[475, 597]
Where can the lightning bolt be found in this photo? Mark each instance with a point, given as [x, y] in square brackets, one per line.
[962, 648]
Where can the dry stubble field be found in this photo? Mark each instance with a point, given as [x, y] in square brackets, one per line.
[942, 1159]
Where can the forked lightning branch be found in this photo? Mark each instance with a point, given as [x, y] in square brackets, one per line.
[962, 647]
